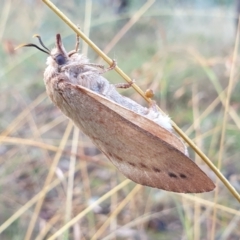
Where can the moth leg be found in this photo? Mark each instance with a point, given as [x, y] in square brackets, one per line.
[76, 46]
[93, 65]
[124, 85]
[76, 64]
[77, 43]
[89, 64]
[111, 67]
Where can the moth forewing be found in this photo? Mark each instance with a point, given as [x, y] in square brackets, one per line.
[123, 136]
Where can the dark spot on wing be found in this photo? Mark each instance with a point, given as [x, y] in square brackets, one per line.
[143, 165]
[172, 175]
[101, 121]
[156, 169]
[118, 158]
[132, 164]
[115, 156]
[182, 175]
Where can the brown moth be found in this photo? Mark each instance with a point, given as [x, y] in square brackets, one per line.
[137, 140]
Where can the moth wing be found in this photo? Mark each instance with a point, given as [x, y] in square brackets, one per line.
[142, 150]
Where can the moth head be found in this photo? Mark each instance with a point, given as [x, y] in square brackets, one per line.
[57, 57]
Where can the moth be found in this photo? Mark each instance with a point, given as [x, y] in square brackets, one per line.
[139, 141]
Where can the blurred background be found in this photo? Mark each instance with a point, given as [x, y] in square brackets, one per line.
[181, 49]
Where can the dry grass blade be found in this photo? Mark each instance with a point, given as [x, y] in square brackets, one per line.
[88, 209]
[211, 204]
[48, 181]
[223, 133]
[21, 118]
[131, 22]
[197, 210]
[27, 206]
[31, 202]
[70, 186]
[119, 208]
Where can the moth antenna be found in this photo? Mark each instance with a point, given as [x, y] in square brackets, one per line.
[41, 42]
[31, 45]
